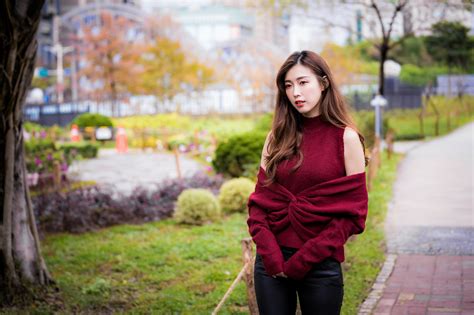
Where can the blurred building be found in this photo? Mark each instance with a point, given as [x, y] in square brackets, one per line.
[324, 21]
[52, 9]
[222, 23]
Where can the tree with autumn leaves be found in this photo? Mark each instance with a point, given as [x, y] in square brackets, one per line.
[117, 65]
[108, 59]
[165, 70]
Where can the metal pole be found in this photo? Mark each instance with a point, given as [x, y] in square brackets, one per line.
[74, 78]
[59, 58]
[60, 73]
[377, 121]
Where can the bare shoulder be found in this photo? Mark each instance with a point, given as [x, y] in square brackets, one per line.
[353, 152]
[350, 135]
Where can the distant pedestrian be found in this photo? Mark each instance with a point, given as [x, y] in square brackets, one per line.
[310, 195]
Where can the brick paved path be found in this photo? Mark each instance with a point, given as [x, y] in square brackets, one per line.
[430, 231]
[422, 284]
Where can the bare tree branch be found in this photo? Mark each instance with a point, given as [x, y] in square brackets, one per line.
[398, 8]
[379, 16]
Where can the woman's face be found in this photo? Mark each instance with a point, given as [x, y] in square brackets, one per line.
[303, 90]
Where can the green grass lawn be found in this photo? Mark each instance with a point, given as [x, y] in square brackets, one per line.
[407, 125]
[167, 268]
[366, 255]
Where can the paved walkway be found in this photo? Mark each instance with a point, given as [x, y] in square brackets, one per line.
[430, 231]
[126, 171]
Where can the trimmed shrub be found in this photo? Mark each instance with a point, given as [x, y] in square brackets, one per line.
[197, 206]
[92, 207]
[42, 154]
[92, 120]
[240, 155]
[36, 146]
[85, 150]
[235, 193]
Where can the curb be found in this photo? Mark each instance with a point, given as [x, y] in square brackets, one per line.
[377, 288]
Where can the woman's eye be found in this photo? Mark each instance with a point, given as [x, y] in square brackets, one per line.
[287, 86]
[303, 82]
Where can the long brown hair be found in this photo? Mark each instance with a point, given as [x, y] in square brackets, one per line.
[285, 137]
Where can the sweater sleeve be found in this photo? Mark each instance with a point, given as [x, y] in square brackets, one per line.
[265, 240]
[315, 250]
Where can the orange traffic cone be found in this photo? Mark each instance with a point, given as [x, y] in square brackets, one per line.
[121, 140]
[75, 137]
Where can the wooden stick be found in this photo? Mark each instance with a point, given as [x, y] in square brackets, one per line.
[56, 175]
[178, 166]
[247, 255]
[231, 288]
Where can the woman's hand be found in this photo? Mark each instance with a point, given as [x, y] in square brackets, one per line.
[281, 274]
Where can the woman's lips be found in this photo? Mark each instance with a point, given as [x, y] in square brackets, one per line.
[300, 103]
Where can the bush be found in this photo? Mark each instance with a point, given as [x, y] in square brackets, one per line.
[240, 155]
[31, 126]
[176, 141]
[35, 146]
[197, 206]
[85, 150]
[42, 154]
[235, 193]
[92, 120]
[91, 207]
[264, 124]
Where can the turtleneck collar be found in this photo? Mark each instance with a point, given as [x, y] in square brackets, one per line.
[311, 122]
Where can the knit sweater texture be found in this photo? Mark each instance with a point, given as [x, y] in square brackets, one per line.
[314, 209]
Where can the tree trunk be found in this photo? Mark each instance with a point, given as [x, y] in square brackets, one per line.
[383, 57]
[21, 262]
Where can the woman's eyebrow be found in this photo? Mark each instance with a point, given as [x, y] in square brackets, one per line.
[299, 78]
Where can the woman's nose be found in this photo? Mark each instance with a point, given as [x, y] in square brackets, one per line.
[296, 91]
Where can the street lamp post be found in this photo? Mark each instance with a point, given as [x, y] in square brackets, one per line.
[59, 50]
[377, 102]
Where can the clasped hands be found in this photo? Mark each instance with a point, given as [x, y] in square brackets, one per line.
[280, 274]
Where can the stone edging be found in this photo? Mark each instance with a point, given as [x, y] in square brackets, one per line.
[377, 289]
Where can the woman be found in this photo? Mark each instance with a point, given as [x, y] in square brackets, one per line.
[310, 195]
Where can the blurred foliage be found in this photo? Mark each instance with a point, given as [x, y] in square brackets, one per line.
[173, 129]
[92, 120]
[366, 50]
[412, 50]
[42, 83]
[167, 70]
[42, 154]
[88, 207]
[450, 44]
[442, 115]
[197, 206]
[234, 195]
[421, 76]
[172, 121]
[31, 126]
[84, 150]
[264, 124]
[346, 62]
[110, 67]
[240, 154]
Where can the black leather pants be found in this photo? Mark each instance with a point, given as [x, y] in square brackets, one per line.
[320, 292]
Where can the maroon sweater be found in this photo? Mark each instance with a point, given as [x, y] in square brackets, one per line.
[315, 209]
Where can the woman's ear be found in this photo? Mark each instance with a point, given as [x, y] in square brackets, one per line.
[325, 83]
